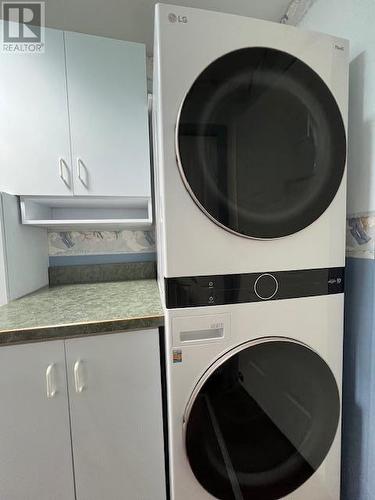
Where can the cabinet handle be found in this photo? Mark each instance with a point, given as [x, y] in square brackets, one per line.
[79, 385]
[50, 381]
[80, 164]
[62, 167]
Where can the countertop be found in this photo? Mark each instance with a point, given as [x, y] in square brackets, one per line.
[81, 309]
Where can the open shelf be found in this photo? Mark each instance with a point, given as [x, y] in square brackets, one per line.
[80, 212]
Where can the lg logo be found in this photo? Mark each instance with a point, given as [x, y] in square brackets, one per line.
[173, 18]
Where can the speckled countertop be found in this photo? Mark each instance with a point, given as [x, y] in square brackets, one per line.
[81, 309]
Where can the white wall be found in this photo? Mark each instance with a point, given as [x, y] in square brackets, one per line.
[355, 20]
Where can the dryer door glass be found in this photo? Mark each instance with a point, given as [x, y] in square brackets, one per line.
[261, 143]
[263, 421]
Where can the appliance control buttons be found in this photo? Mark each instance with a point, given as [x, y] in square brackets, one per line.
[266, 286]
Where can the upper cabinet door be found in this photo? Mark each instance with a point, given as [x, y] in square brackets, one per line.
[34, 127]
[108, 115]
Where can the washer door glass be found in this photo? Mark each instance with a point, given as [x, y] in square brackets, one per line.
[261, 143]
[263, 422]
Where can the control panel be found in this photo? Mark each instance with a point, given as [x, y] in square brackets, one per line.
[197, 291]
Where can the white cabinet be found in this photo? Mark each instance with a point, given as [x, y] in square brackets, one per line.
[35, 451]
[108, 116]
[74, 132]
[34, 128]
[116, 416]
[102, 438]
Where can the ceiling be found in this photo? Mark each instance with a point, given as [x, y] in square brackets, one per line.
[133, 19]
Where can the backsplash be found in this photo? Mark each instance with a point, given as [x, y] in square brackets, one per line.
[113, 246]
[360, 236]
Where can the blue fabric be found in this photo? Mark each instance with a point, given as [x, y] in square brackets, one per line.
[358, 454]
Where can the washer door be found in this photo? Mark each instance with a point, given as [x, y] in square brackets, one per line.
[261, 143]
[263, 421]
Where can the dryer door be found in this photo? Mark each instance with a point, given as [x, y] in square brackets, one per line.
[261, 143]
[262, 420]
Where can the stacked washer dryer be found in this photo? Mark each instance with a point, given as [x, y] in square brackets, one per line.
[250, 149]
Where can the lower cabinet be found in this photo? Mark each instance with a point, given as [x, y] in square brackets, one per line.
[88, 409]
[116, 416]
[35, 449]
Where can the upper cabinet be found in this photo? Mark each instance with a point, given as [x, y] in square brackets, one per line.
[108, 116]
[74, 125]
[34, 126]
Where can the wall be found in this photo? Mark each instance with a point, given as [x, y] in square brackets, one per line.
[355, 20]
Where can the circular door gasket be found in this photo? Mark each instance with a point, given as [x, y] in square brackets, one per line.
[258, 423]
[261, 143]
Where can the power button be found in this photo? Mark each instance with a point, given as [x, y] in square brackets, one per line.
[266, 286]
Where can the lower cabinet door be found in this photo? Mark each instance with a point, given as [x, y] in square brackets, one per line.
[116, 416]
[35, 450]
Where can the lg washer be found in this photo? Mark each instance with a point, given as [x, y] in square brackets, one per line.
[254, 388]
